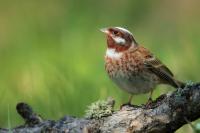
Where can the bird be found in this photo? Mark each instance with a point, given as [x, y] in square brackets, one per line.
[132, 67]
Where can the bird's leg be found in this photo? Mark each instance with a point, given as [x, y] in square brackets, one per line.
[148, 103]
[128, 103]
[130, 99]
[150, 99]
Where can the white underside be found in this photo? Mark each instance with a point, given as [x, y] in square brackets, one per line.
[135, 84]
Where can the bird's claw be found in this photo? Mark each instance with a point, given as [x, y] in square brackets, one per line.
[128, 105]
[148, 103]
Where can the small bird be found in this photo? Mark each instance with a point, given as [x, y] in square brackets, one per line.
[132, 67]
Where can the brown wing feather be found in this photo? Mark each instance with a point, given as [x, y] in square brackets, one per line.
[157, 67]
[158, 64]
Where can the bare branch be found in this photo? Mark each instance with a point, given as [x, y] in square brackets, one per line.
[167, 113]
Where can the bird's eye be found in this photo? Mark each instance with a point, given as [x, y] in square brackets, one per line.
[115, 33]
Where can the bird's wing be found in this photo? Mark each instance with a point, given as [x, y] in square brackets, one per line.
[158, 68]
[156, 63]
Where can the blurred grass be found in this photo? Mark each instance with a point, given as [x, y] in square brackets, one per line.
[52, 53]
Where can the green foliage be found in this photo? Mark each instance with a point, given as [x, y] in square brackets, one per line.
[197, 128]
[9, 121]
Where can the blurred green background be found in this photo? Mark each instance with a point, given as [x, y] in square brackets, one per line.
[52, 53]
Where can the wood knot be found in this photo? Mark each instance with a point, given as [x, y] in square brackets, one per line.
[26, 112]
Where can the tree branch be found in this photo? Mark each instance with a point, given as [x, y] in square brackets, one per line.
[166, 114]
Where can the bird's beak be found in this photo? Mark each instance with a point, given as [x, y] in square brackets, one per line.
[104, 30]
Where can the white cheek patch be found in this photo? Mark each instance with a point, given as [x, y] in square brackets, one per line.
[119, 40]
[113, 54]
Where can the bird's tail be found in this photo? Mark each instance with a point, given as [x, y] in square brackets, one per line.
[180, 84]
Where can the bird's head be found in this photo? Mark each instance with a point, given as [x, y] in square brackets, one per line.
[119, 38]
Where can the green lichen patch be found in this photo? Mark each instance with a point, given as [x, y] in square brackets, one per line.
[189, 83]
[100, 109]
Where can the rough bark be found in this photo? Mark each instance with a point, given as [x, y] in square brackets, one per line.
[167, 113]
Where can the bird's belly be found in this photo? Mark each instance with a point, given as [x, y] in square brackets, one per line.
[135, 84]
